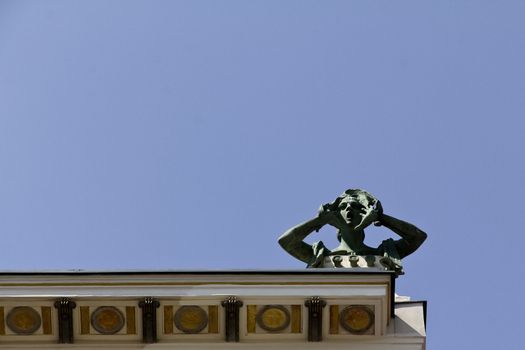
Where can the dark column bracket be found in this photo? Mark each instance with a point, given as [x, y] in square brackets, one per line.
[149, 319]
[232, 306]
[315, 307]
[65, 308]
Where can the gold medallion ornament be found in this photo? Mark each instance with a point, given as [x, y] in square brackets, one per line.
[357, 319]
[23, 320]
[191, 319]
[107, 320]
[273, 318]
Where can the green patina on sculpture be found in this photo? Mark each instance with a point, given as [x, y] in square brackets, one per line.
[350, 214]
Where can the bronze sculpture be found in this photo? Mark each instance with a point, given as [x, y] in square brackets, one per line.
[350, 214]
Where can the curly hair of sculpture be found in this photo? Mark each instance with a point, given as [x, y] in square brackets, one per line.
[350, 214]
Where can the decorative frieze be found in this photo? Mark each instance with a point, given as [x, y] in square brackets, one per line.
[182, 319]
[310, 307]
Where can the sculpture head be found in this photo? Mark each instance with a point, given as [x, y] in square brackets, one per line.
[356, 207]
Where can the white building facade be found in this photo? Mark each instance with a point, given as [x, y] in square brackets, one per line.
[298, 309]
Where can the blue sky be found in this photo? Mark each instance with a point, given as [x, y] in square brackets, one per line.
[191, 134]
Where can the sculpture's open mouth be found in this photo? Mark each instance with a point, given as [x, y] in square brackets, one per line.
[352, 218]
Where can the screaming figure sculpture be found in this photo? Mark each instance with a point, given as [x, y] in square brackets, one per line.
[350, 214]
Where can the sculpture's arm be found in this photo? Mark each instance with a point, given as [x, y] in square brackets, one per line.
[412, 237]
[292, 239]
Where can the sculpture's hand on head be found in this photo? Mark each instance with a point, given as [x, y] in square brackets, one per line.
[379, 213]
[372, 214]
[327, 216]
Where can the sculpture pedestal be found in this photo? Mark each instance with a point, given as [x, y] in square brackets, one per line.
[363, 263]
